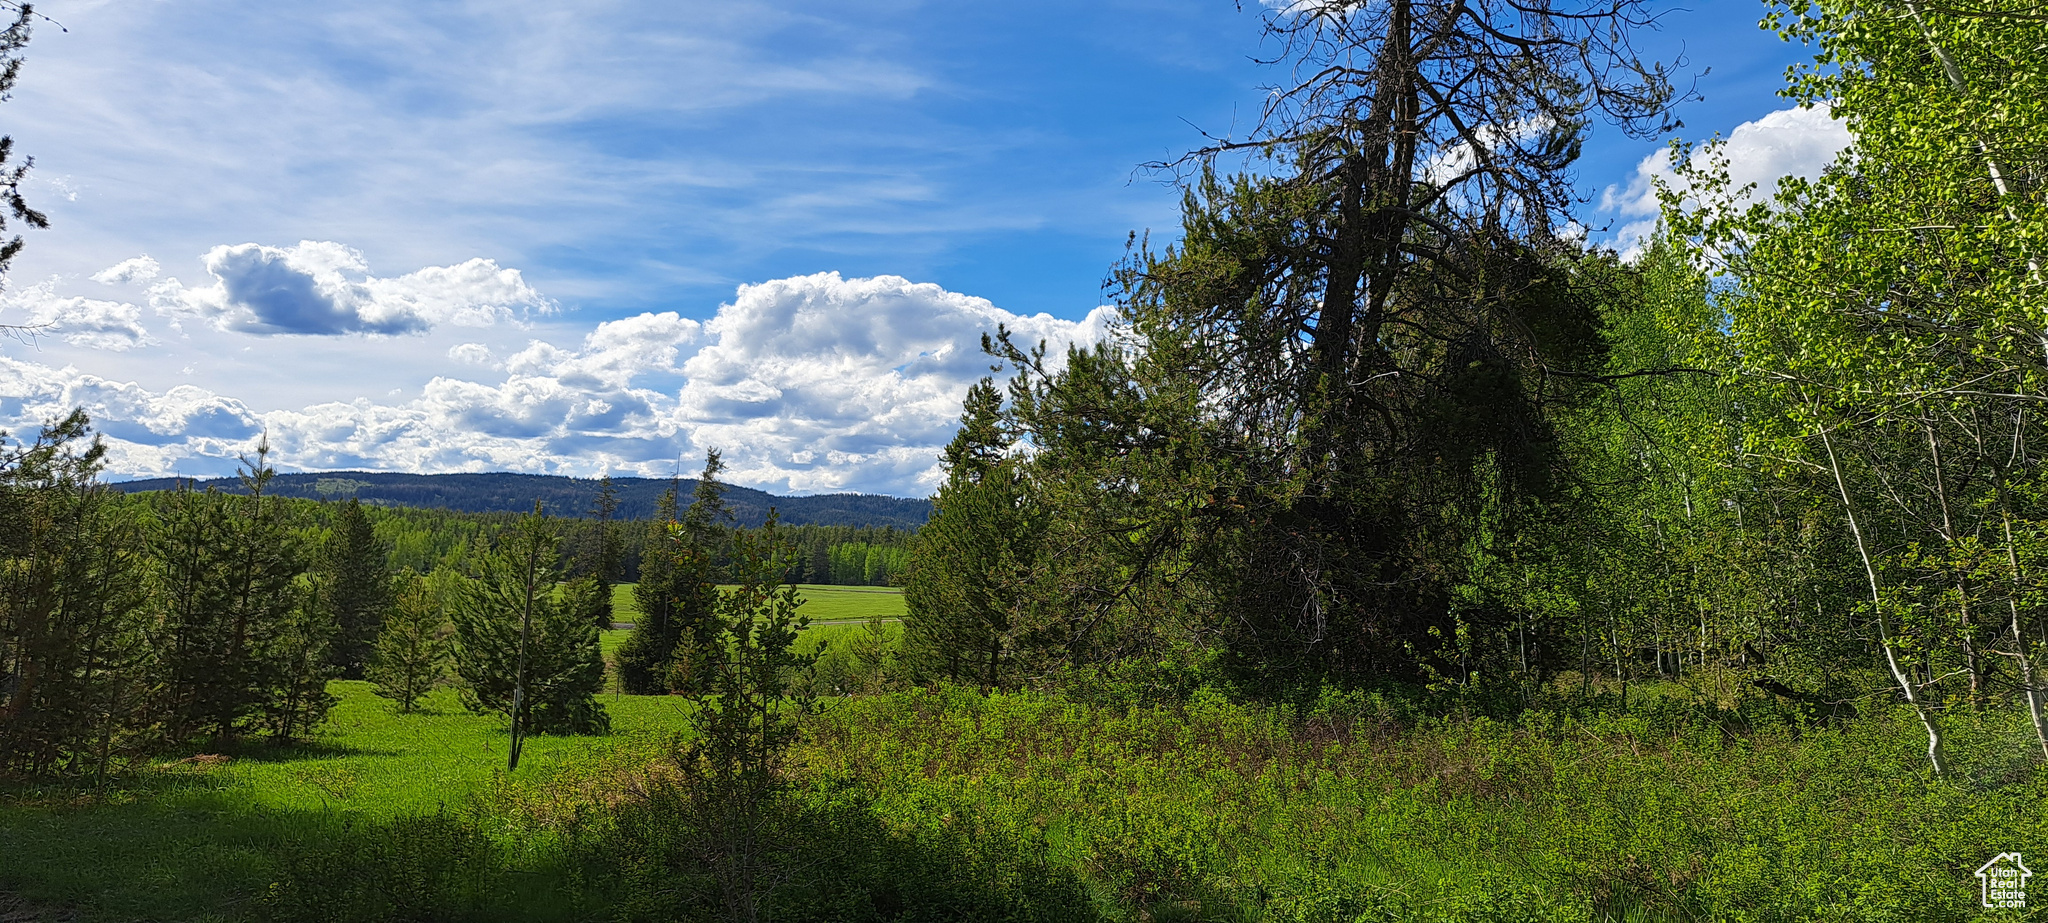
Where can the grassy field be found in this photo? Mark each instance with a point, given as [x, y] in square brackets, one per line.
[837, 614]
[202, 838]
[953, 805]
[950, 804]
[824, 604]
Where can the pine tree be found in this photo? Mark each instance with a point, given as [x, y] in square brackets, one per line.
[300, 662]
[969, 564]
[358, 588]
[231, 647]
[707, 538]
[678, 588]
[412, 652]
[819, 558]
[643, 660]
[519, 651]
[746, 687]
[608, 555]
[588, 599]
[73, 659]
[12, 40]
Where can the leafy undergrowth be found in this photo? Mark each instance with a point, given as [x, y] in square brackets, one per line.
[951, 805]
[1214, 810]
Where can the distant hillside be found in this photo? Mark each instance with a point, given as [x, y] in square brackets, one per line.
[515, 493]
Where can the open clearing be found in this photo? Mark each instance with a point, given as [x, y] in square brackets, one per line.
[198, 836]
[824, 604]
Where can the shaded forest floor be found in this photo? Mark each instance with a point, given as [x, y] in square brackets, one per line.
[952, 805]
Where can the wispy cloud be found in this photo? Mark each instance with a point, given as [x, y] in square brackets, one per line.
[134, 269]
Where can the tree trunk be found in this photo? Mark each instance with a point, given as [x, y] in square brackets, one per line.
[1935, 757]
[2019, 639]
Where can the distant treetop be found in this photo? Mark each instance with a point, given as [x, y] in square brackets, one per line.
[515, 493]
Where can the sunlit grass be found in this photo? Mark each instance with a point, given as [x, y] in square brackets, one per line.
[822, 603]
[199, 837]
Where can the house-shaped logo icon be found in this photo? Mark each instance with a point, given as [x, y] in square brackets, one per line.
[2005, 881]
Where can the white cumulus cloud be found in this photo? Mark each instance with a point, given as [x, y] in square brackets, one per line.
[88, 322]
[323, 288]
[854, 375]
[472, 354]
[137, 269]
[808, 384]
[1788, 142]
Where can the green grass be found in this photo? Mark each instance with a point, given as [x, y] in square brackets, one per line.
[834, 636]
[837, 614]
[1200, 810]
[624, 607]
[822, 603]
[828, 604]
[200, 838]
[1215, 810]
[610, 639]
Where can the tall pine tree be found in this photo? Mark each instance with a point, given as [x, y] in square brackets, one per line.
[519, 651]
[678, 587]
[412, 652]
[357, 578]
[234, 628]
[72, 655]
[971, 562]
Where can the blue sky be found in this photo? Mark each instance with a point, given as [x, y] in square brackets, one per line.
[573, 239]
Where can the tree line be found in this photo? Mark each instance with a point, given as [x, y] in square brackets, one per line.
[134, 625]
[598, 543]
[1379, 417]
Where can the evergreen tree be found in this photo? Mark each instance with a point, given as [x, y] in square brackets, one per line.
[970, 564]
[357, 575]
[678, 587]
[519, 651]
[819, 563]
[704, 540]
[1352, 343]
[589, 599]
[643, 660]
[12, 40]
[607, 555]
[73, 659]
[746, 687]
[412, 652]
[300, 662]
[229, 594]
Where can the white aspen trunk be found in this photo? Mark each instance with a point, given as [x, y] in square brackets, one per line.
[2019, 639]
[1884, 636]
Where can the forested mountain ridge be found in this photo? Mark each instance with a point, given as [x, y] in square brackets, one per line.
[563, 496]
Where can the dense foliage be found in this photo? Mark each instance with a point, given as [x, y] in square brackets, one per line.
[1374, 422]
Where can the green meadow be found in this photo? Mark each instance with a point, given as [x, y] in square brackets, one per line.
[822, 603]
[1100, 802]
[208, 836]
[837, 613]
[952, 804]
